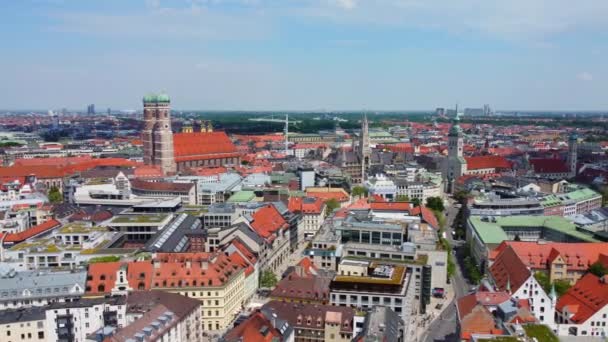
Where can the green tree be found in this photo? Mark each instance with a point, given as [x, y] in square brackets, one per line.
[435, 203]
[416, 202]
[402, 198]
[268, 279]
[598, 269]
[359, 191]
[561, 287]
[332, 204]
[543, 280]
[55, 195]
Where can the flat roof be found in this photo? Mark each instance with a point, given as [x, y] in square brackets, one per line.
[494, 232]
[147, 218]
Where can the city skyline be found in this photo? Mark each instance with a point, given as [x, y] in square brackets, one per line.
[305, 55]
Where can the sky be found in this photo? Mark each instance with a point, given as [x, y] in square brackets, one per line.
[305, 54]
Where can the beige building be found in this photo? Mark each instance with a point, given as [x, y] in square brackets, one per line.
[23, 325]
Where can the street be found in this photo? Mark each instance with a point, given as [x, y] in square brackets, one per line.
[444, 328]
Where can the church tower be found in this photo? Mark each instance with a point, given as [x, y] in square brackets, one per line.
[158, 144]
[456, 165]
[572, 153]
[365, 150]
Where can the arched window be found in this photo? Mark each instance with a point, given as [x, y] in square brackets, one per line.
[101, 288]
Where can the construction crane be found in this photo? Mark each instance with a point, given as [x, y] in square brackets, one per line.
[285, 130]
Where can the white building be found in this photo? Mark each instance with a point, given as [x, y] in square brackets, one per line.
[74, 321]
[34, 288]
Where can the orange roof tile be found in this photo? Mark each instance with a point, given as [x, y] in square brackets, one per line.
[487, 162]
[251, 330]
[267, 220]
[578, 256]
[306, 205]
[585, 298]
[391, 206]
[509, 269]
[101, 277]
[33, 231]
[200, 144]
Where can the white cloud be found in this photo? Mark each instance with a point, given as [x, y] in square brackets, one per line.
[531, 20]
[584, 76]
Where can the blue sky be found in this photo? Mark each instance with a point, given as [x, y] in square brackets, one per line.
[305, 54]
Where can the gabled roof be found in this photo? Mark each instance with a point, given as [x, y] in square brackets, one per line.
[577, 256]
[267, 220]
[508, 271]
[199, 144]
[257, 328]
[102, 276]
[306, 205]
[549, 165]
[585, 298]
[487, 162]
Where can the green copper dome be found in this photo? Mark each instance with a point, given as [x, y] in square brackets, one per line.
[156, 98]
[162, 97]
[150, 98]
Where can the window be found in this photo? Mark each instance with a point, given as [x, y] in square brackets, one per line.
[41, 335]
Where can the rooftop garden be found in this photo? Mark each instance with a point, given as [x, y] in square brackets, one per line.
[79, 228]
[398, 274]
[542, 333]
[139, 219]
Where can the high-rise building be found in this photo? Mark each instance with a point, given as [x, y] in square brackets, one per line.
[365, 150]
[91, 109]
[157, 135]
[109, 111]
[440, 111]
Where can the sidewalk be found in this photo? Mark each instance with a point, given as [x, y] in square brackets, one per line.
[422, 322]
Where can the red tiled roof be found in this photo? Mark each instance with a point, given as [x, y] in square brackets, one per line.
[391, 206]
[195, 269]
[429, 217]
[200, 144]
[303, 288]
[585, 298]
[251, 330]
[549, 165]
[475, 318]
[33, 231]
[102, 276]
[508, 268]
[307, 266]
[267, 220]
[147, 171]
[487, 162]
[577, 256]
[306, 205]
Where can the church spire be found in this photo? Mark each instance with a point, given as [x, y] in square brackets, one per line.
[553, 294]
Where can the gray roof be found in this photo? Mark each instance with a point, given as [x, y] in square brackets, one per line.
[22, 315]
[174, 238]
[38, 284]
